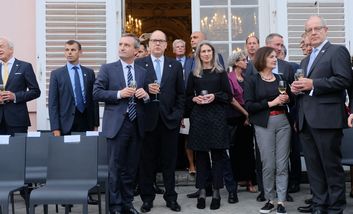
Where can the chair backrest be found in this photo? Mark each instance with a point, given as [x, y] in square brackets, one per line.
[37, 158]
[347, 144]
[12, 161]
[73, 162]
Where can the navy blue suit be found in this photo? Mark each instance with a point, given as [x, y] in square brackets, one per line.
[23, 83]
[321, 118]
[124, 137]
[62, 109]
[162, 128]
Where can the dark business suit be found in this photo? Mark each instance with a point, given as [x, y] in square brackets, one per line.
[124, 137]
[162, 122]
[321, 120]
[23, 83]
[62, 108]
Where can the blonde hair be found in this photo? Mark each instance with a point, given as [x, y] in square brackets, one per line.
[216, 66]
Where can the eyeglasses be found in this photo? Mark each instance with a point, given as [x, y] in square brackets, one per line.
[155, 41]
[316, 29]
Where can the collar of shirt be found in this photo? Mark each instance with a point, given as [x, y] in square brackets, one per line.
[72, 77]
[161, 62]
[320, 46]
[70, 66]
[275, 70]
[10, 63]
[125, 69]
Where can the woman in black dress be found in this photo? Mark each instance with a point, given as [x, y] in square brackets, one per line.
[208, 95]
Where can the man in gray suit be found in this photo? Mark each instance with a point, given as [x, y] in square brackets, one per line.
[121, 85]
[322, 116]
[71, 106]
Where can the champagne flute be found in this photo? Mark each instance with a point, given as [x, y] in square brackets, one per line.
[156, 82]
[282, 86]
[299, 74]
[133, 85]
[203, 93]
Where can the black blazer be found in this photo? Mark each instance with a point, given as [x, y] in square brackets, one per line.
[172, 98]
[62, 100]
[259, 111]
[331, 73]
[23, 83]
[109, 81]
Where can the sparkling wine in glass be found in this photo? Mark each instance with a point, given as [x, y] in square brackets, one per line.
[282, 86]
[156, 82]
[133, 85]
[203, 93]
[299, 74]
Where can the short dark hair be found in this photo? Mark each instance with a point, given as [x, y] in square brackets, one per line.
[252, 36]
[71, 42]
[136, 40]
[260, 57]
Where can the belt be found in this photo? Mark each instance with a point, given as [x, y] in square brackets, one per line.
[273, 113]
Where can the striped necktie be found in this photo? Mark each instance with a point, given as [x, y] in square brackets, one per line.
[132, 105]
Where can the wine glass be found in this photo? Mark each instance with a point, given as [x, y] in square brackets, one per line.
[203, 93]
[156, 82]
[133, 85]
[299, 74]
[282, 86]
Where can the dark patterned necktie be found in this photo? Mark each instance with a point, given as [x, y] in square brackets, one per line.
[132, 104]
[80, 105]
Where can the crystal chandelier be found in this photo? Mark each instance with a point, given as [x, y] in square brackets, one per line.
[133, 25]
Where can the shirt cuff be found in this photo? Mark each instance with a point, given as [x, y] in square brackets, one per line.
[118, 96]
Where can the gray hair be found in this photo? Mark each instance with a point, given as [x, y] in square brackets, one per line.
[322, 20]
[178, 41]
[9, 43]
[136, 40]
[235, 57]
[271, 36]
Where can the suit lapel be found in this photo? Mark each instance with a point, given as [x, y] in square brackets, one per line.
[166, 71]
[14, 69]
[67, 79]
[138, 76]
[318, 57]
[149, 66]
[120, 72]
[85, 80]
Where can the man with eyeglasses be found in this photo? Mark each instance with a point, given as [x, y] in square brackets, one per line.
[322, 116]
[162, 122]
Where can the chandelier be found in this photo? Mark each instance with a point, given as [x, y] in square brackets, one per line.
[133, 25]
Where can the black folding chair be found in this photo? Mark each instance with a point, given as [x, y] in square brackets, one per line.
[347, 147]
[72, 173]
[12, 171]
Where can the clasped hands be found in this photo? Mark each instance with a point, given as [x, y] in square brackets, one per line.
[130, 92]
[203, 99]
[6, 96]
[301, 85]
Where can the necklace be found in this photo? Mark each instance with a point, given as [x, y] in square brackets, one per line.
[266, 79]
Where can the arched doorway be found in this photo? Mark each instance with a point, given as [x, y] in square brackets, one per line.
[172, 17]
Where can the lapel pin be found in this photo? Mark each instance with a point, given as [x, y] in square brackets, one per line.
[146, 65]
[17, 65]
[170, 65]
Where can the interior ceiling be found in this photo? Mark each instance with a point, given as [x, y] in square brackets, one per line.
[172, 17]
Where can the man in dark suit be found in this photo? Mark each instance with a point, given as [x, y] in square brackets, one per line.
[19, 85]
[322, 116]
[162, 119]
[121, 85]
[71, 105]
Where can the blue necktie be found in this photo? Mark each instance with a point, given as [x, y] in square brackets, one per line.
[80, 105]
[132, 105]
[158, 70]
[311, 61]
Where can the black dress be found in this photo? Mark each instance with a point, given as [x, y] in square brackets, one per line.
[208, 123]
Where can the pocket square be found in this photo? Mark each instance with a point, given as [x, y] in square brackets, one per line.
[18, 73]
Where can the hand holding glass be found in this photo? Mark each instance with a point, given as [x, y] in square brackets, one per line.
[133, 85]
[203, 93]
[299, 74]
[156, 82]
